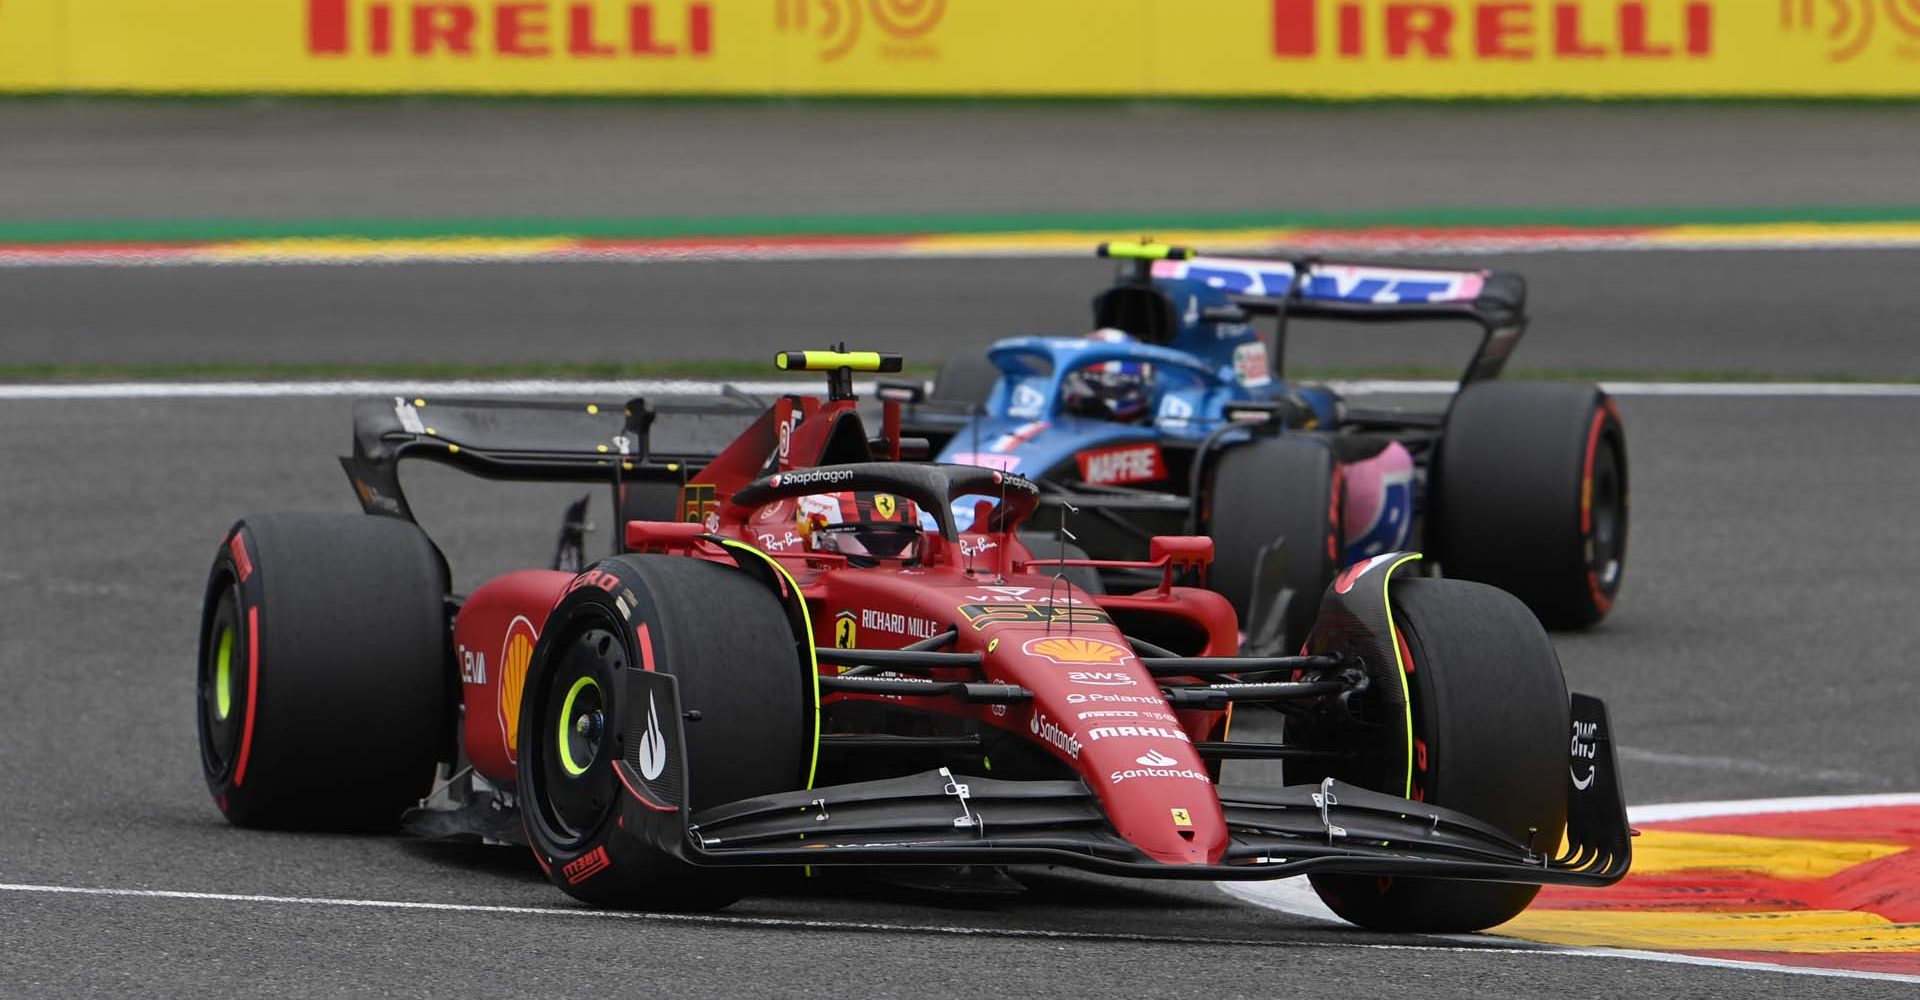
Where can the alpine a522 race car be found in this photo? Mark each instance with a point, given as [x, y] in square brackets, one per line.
[1175, 418]
[800, 672]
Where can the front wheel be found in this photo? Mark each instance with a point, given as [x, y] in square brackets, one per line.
[748, 708]
[1488, 716]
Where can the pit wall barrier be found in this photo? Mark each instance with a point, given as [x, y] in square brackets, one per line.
[969, 48]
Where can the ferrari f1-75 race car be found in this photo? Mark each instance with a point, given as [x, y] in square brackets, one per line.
[799, 672]
[1175, 417]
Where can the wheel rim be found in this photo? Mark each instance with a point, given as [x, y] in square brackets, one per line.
[223, 676]
[582, 722]
[1609, 517]
[221, 685]
[576, 744]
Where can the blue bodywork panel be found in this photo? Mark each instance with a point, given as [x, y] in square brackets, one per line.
[1208, 365]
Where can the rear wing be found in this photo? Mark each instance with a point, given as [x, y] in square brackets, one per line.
[1307, 287]
[563, 442]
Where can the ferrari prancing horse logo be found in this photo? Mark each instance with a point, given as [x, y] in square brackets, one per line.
[845, 632]
[884, 505]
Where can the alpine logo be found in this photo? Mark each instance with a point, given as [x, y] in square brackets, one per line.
[1141, 463]
[653, 744]
[1154, 758]
[1027, 402]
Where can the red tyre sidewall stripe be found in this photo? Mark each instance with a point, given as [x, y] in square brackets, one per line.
[645, 638]
[1586, 471]
[1601, 601]
[253, 694]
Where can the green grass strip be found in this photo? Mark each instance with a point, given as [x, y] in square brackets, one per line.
[668, 227]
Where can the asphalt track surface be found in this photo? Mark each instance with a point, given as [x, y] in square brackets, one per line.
[1796, 313]
[1756, 653]
[307, 159]
[1758, 649]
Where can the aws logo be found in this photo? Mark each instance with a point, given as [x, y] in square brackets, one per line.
[895, 29]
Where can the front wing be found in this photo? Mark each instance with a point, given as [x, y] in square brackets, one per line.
[939, 818]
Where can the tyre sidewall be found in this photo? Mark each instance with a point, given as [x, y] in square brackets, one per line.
[343, 673]
[728, 758]
[1490, 719]
[1512, 495]
[1288, 487]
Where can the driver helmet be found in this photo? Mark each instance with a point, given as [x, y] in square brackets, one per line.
[1110, 390]
[865, 526]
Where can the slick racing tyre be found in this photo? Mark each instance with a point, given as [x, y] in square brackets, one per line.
[968, 377]
[1530, 495]
[326, 685]
[1490, 717]
[747, 700]
[1276, 490]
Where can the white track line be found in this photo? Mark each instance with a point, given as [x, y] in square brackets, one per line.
[1296, 898]
[29, 391]
[54, 391]
[1292, 896]
[1460, 945]
[776, 923]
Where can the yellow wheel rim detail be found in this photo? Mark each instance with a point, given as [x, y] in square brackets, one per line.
[566, 714]
[223, 675]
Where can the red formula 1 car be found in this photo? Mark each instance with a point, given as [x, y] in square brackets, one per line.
[813, 666]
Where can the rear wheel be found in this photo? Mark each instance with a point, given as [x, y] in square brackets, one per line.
[1047, 549]
[1286, 489]
[1490, 719]
[325, 680]
[1530, 495]
[746, 695]
[967, 377]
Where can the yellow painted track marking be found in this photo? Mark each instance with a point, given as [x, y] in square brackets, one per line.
[397, 249]
[1658, 852]
[1800, 931]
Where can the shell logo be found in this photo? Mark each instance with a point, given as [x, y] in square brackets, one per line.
[1077, 649]
[515, 654]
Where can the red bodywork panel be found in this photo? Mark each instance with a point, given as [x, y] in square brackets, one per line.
[1095, 707]
[493, 641]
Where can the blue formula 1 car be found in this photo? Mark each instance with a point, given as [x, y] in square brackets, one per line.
[1173, 418]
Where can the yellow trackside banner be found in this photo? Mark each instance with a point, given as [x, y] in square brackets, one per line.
[1196, 48]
